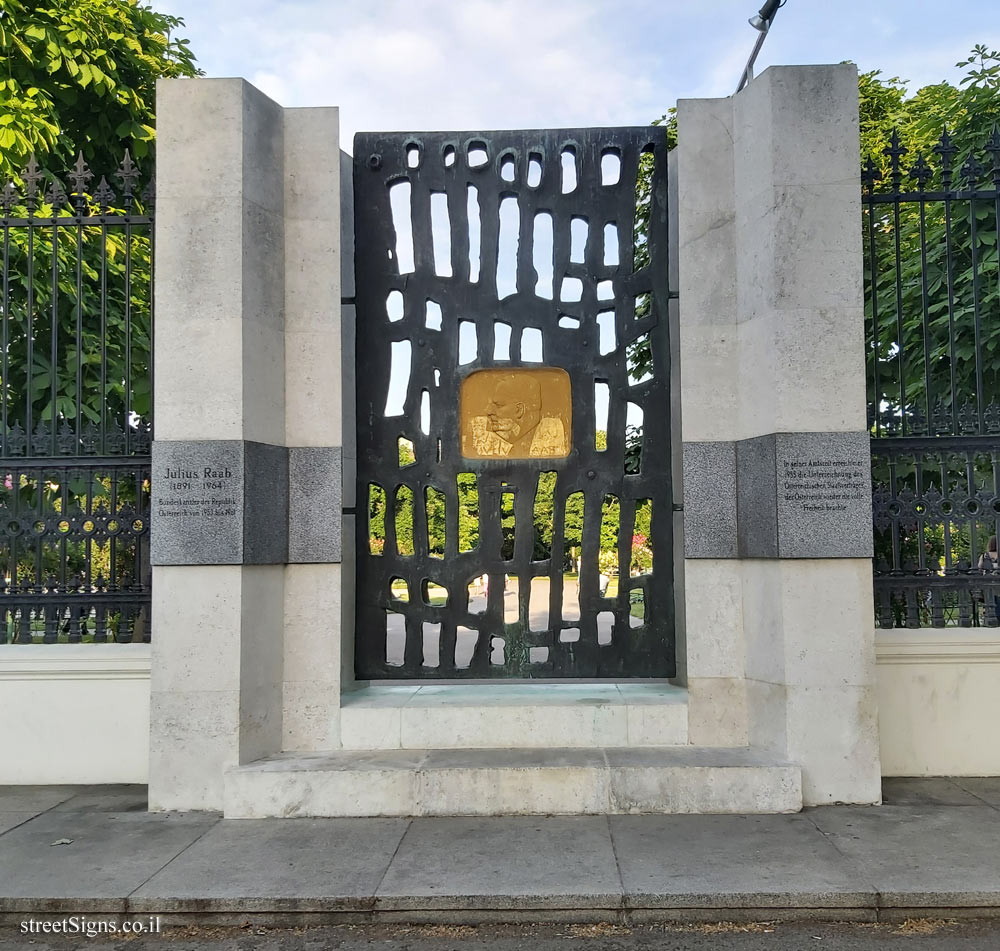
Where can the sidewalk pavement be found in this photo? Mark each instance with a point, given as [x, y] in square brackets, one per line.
[933, 849]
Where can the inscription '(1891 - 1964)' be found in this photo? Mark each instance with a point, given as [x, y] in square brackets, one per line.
[196, 492]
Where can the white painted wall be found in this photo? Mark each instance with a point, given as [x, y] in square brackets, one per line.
[939, 701]
[74, 713]
[80, 713]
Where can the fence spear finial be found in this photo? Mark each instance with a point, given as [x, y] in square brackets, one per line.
[80, 178]
[31, 177]
[946, 149]
[895, 151]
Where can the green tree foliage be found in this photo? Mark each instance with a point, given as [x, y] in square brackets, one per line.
[573, 526]
[930, 271]
[969, 111]
[639, 353]
[376, 520]
[642, 538]
[113, 365]
[542, 525]
[435, 509]
[508, 524]
[468, 512]
[543, 516]
[80, 75]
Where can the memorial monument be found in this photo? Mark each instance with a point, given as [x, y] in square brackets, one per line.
[354, 355]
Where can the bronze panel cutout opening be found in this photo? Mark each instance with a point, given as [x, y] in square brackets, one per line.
[516, 414]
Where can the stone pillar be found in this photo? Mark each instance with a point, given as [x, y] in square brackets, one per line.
[314, 430]
[780, 631]
[708, 367]
[247, 467]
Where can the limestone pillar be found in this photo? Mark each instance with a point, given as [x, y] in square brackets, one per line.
[314, 429]
[246, 460]
[780, 630]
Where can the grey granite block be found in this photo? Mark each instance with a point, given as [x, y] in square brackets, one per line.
[314, 504]
[804, 495]
[265, 511]
[824, 498]
[219, 502]
[756, 503]
[710, 500]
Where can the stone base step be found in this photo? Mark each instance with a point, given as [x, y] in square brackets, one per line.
[513, 716]
[498, 782]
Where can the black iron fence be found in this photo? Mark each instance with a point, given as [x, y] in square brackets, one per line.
[933, 332]
[76, 324]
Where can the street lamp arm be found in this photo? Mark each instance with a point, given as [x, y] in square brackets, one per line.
[762, 23]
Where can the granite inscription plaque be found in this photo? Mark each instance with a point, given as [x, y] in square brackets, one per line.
[823, 490]
[198, 496]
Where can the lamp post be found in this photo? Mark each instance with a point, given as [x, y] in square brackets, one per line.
[761, 22]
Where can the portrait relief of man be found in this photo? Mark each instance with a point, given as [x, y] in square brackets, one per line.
[518, 414]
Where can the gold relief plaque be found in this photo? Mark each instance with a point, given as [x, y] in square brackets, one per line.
[516, 414]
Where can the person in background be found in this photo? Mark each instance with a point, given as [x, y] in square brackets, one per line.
[988, 564]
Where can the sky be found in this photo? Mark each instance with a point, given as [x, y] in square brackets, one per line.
[433, 65]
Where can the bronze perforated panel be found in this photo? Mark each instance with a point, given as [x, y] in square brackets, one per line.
[511, 290]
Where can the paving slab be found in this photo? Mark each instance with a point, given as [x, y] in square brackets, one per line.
[11, 820]
[119, 798]
[35, 799]
[986, 788]
[920, 856]
[937, 850]
[933, 791]
[733, 862]
[514, 862]
[276, 864]
[109, 856]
